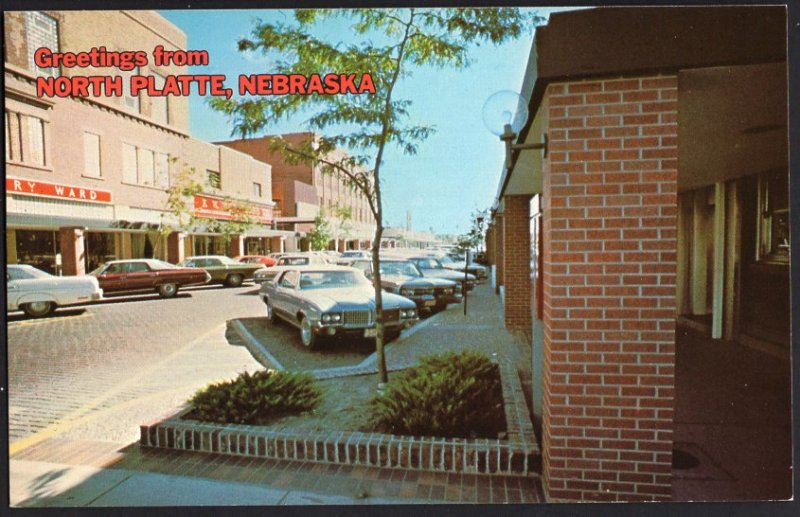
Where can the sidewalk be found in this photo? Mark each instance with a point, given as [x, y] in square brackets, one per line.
[62, 472]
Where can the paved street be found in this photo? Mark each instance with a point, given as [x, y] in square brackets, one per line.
[101, 370]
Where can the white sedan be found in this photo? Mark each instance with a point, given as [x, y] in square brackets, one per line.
[39, 293]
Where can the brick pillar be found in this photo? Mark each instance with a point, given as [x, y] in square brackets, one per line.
[489, 244]
[71, 243]
[610, 232]
[236, 246]
[516, 262]
[176, 247]
[499, 252]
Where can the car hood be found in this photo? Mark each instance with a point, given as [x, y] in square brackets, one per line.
[353, 298]
[447, 274]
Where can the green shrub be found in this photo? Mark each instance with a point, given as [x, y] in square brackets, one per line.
[452, 395]
[255, 399]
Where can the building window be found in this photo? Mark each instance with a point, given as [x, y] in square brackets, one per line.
[145, 167]
[159, 107]
[214, 179]
[25, 139]
[91, 155]
[257, 190]
[37, 248]
[128, 100]
[773, 218]
[42, 31]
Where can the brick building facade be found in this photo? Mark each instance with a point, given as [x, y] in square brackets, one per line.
[87, 176]
[644, 212]
[301, 191]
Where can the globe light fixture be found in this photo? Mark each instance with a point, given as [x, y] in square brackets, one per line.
[505, 114]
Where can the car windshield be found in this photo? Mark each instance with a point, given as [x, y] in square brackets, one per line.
[98, 270]
[160, 264]
[19, 273]
[446, 260]
[293, 261]
[399, 268]
[331, 280]
[227, 260]
[428, 263]
[352, 254]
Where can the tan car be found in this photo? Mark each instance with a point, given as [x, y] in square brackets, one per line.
[223, 270]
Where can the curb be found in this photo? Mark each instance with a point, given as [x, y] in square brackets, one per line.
[254, 345]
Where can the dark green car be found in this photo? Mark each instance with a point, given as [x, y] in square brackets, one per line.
[223, 270]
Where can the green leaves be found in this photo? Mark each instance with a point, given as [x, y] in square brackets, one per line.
[448, 395]
[255, 399]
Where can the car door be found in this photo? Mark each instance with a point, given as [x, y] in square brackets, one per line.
[215, 268]
[113, 277]
[139, 276]
[286, 295]
[13, 288]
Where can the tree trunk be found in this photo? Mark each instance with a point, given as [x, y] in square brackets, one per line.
[376, 283]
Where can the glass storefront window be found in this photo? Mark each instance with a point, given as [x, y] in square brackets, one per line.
[37, 248]
[99, 249]
[773, 218]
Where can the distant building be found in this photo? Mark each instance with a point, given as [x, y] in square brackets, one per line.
[86, 177]
[301, 191]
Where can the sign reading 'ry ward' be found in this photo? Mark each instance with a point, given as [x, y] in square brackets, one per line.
[54, 190]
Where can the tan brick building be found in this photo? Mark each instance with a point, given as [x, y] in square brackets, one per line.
[662, 199]
[300, 191]
[86, 177]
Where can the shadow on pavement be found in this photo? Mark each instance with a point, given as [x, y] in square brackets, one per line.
[58, 313]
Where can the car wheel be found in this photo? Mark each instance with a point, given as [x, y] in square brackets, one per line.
[440, 306]
[307, 336]
[390, 335]
[167, 290]
[271, 312]
[38, 309]
[235, 280]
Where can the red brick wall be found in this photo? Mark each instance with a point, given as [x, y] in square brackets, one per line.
[609, 293]
[516, 262]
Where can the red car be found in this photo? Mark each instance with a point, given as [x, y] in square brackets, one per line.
[146, 275]
[257, 259]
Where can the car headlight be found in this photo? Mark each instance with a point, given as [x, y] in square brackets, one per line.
[331, 317]
[448, 291]
[408, 313]
[406, 292]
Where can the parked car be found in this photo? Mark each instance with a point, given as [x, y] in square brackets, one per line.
[404, 278]
[349, 256]
[223, 270]
[267, 261]
[332, 300]
[288, 260]
[147, 275]
[432, 267]
[472, 268]
[39, 293]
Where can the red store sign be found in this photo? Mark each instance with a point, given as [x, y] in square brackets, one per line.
[215, 208]
[27, 187]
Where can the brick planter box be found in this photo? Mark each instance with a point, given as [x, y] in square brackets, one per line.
[518, 454]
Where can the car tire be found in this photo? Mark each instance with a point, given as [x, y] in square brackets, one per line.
[271, 316]
[38, 309]
[439, 307]
[167, 290]
[307, 336]
[234, 280]
[390, 335]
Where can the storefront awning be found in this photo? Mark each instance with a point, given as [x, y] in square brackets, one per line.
[54, 222]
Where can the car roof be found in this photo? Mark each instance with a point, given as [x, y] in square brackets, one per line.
[133, 260]
[322, 267]
[205, 256]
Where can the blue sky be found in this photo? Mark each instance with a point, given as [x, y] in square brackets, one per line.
[456, 170]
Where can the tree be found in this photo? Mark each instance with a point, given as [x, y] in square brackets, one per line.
[180, 208]
[388, 44]
[320, 235]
